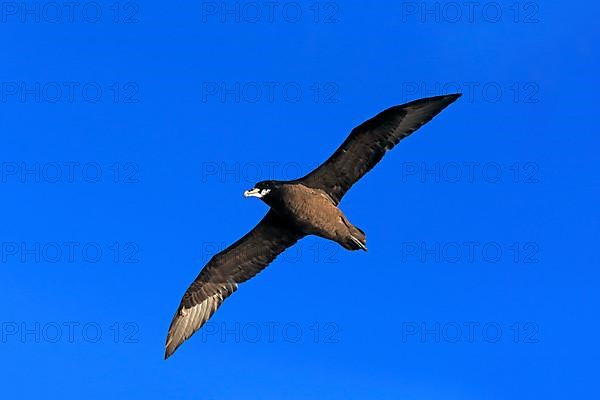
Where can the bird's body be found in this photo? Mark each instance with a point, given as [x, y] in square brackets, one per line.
[305, 206]
[313, 212]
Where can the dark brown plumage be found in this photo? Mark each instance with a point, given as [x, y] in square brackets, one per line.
[220, 277]
[306, 206]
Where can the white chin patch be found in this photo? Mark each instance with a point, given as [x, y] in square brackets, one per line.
[256, 193]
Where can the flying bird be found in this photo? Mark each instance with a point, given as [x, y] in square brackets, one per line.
[301, 207]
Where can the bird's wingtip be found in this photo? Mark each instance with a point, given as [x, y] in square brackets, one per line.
[450, 97]
[446, 99]
[443, 100]
[169, 352]
[169, 347]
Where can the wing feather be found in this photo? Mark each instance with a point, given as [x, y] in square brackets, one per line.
[221, 276]
[367, 144]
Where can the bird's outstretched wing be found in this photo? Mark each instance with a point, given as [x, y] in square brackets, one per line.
[368, 142]
[221, 276]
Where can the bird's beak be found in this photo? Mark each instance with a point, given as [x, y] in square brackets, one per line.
[253, 193]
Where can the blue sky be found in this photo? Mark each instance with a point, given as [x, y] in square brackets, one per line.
[130, 131]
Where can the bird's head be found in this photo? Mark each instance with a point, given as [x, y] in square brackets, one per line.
[263, 190]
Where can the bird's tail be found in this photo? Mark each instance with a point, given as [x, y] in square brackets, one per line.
[357, 240]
